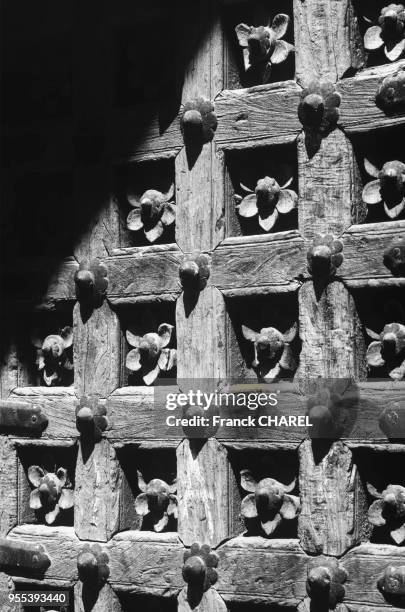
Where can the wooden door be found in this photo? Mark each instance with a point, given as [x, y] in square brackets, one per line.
[264, 219]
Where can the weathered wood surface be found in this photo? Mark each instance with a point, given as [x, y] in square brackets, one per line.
[211, 601]
[96, 345]
[58, 405]
[97, 491]
[103, 600]
[358, 110]
[363, 248]
[331, 334]
[327, 39]
[328, 186]
[147, 563]
[201, 332]
[35, 287]
[149, 273]
[265, 114]
[61, 544]
[251, 264]
[259, 570]
[8, 486]
[204, 492]
[332, 500]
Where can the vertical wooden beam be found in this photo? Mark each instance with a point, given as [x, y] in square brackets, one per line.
[97, 492]
[211, 601]
[104, 600]
[203, 501]
[326, 39]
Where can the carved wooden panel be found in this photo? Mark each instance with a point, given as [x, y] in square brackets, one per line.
[203, 191]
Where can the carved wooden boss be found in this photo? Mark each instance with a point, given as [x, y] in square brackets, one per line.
[85, 522]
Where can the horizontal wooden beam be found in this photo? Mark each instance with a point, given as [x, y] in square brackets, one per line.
[257, 570]
[57, 404]
[358, 110]
[363, 250]
[266, 114]
[250, 265]
[146, 274]
[146, 563]
[135, 417]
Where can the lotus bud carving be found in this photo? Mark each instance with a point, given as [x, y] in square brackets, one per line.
[266, 202]
[269, 501]
[158, 499]
[53, 361]
[152, 213]
[51, 492]
[388, 33]
[199, 566]
[262, 46]
[272, 350]
[150, 354]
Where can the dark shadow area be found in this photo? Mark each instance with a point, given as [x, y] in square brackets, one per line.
[49, 590]
[147, 603]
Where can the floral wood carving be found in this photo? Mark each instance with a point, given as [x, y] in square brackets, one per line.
[267, 201]
[388, 349]
[52, 359]
[195, 271]
[158, 499]
[150, 355]
[392, 583]
[199, 566]
[50, 494]
[92, 565]
[394, 258]
[389, 187]
[325, 583]
[389, 508]
[269, 501]
[91, 282]
[263, 47]
[325, 256]
[91, 419]
[391, 93]
[272, 350]
[152, 212]
[318, 110]
[198, 121]
[389, 33]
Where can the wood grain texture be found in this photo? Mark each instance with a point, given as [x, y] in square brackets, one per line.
[145, 274]
[57, 404]
[96, 350]
[358, 110]
[97, 492]
[267, 112]
[61, 544]
[204, 491]
[8, 486]
[363, 248]
[103, 600]
[329, 186]
[332, 500]
[327, 39]
[146, 563]
[331, 335]
[211, 601]
[259, 570]
[258, 264]
[200, 333]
